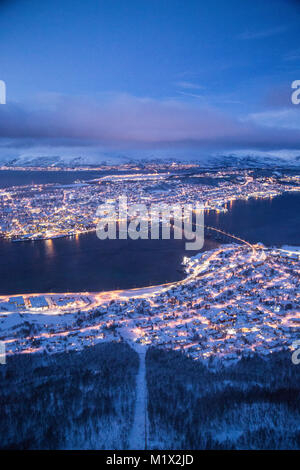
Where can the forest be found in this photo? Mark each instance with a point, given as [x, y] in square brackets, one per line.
[75, 400]
[252, 404]
[86, 400]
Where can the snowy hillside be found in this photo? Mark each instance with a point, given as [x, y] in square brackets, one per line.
[236, 159]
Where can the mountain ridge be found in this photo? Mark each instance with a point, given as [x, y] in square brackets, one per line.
[234, 160]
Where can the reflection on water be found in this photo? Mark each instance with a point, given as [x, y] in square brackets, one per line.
[49, 248]
[85, 263]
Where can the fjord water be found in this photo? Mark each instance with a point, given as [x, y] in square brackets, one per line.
[84, 263]
[272, 221]
[22, 178]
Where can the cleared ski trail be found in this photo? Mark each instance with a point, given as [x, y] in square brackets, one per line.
[139, 432]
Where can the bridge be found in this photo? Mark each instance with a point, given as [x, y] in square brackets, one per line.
[253, 248]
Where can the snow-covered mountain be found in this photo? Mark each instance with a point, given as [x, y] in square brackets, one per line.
[59, 161]
[254, 161]
[235, 160]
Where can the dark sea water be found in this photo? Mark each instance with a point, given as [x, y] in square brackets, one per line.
[273, 221]
[21, 178]
[85, 263]
[89, 264]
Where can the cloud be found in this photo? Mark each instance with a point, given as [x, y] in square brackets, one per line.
[193, 95]
[284, 118]
[190, 85]
[115, 118]
[262, 34]
[122, 121]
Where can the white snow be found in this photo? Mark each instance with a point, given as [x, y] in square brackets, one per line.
[292, 249]
[139, 432]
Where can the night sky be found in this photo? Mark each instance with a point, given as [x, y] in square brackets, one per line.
[98, 76]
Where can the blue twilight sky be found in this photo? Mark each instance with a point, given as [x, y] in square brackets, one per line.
[149, 74]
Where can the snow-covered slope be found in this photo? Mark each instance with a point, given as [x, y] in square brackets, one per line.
[254, 161]
[60, 161]
[236, 160]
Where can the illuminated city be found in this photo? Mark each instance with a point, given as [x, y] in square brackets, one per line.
[52, 210]
[149, 230]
